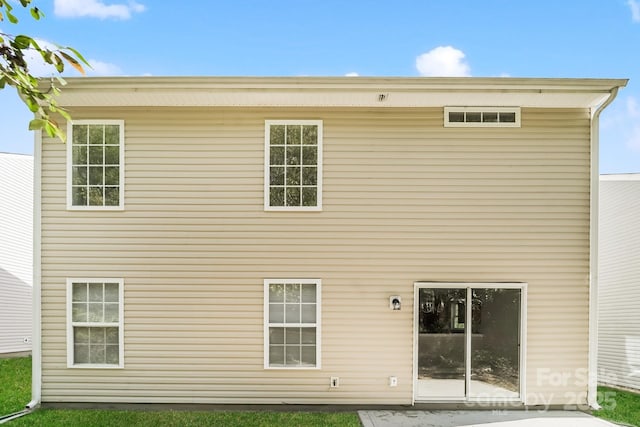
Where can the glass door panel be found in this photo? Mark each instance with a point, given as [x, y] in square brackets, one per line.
[441, 343]
[495, 343]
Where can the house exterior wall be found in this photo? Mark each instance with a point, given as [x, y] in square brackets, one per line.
[16, 252]
[619, 283]
[404, 200]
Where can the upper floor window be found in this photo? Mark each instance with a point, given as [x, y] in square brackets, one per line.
[293, 165]
[95, 164]
[481, 116]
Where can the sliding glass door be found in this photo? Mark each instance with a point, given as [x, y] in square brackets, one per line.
[468, 341]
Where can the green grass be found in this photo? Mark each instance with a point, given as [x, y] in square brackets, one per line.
[15, 392]
[15, 384]
[619, 406]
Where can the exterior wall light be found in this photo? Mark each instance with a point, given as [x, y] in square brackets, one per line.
[395, 302]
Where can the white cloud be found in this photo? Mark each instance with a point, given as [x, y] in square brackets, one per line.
[634, 5]
[633, 140]
[352, 74]
[443, 61]
[632, 107]
[95, 9]
[99, 68]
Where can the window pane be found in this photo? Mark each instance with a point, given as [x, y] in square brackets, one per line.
[276, 176]
[95, 312]
[97, 336]
[113, 354]
[292, 336]
[79, 292]
[80, 134]
[292, 313]
[292, 355]
[112, 196]
[112, 175]
[456, 117]
[310, 135]
[112, 155]
[473, 117]
[276, 196]
[276, 313]
[95, 154]
[294, 155]
[293, 175]
[308, 356]
[96, 134]
[276, 292]
[308, 313]
[79, 175]
[490, 117]
[310, 156]
[293, 196]
[293, 135]
[79, 196]
[507, 117]
[308, 292]
[97, 354]
[111, 293]
[111, 312]
[309, 175]
[80, 354]
[292, 293]
[80, 155]
[79, 312]
[276, 136]
[276, 355]
[277, 155]
[112, 335]
[308, 335]
[81, 335]
[96, 175]
[95, 292]
[309, 196]
[96, 196]
[112, 134]
[276, 335]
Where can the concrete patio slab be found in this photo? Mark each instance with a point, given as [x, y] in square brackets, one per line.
[480, 418]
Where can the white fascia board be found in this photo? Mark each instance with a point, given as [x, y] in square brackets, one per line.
[335, 92]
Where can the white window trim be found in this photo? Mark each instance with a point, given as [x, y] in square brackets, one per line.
[523, 336]
[70, 205]
[318, 324]
[515, 110]
[267, 164]
[70, 342]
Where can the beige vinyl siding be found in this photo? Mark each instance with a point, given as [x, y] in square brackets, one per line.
[404, 200]
[619, 284]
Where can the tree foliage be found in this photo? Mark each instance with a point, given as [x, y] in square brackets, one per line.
[14, 69]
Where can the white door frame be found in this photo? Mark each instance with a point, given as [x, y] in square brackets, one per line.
[468, 286]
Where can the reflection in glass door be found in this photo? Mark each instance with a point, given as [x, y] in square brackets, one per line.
[441, 343]
[468, 341]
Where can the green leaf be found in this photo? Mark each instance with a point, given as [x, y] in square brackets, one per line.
[80, 57]
[11, 18]
[35, 12]
[37, 124]
[22, 41]
[58, 63]
[71, 60]
[32, 104]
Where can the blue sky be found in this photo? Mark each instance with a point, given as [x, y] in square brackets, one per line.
[542, 38]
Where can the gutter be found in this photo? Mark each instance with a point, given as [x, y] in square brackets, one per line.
[592, 386]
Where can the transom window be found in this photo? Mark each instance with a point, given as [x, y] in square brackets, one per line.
[95, 159]
[292, 328]
[293, 165]
[481, 117]
[95, 311]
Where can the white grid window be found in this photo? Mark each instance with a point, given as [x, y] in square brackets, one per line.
[95, 164]
[292, 326]
[482, 117]
[293, 165]
[95, 320]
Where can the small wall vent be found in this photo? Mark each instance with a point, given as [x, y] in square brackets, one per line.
[482, 116]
